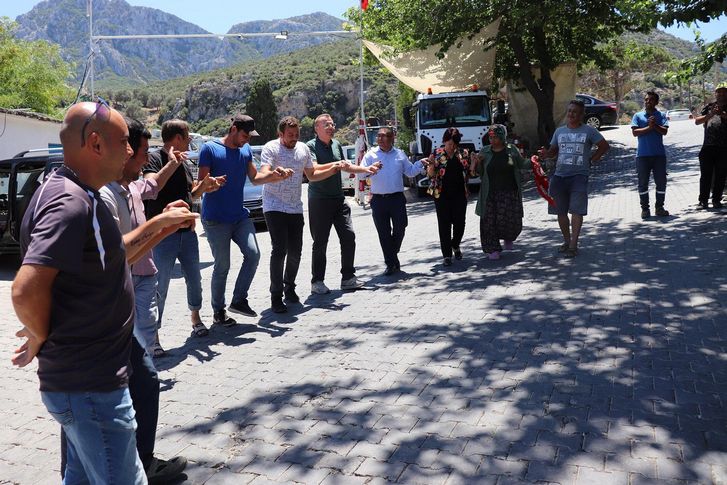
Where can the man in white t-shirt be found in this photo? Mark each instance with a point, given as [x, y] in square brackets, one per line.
[283, 207]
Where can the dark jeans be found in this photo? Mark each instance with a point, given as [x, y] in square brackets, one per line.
[451, 215]
[713, 172]
[286, 236]
[144, 390]
[644, 167]
[322, 214]
[389, 213]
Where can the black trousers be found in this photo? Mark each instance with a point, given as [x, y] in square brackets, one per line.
[712, 172]
[644, 167]
[286, 236]
[389, 213]
[451, 215]
[322, 214]
[144, 390]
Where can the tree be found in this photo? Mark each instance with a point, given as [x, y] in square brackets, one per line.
[32, 74]
[261, 106]
[624, 60]
[538, 35]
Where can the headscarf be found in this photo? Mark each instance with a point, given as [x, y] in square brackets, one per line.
[500, 132]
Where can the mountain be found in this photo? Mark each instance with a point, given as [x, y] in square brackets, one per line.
[64, 22]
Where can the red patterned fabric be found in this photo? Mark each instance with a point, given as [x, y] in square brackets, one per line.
[541, 181]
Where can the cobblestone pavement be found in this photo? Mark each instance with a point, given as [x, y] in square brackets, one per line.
[608, 368]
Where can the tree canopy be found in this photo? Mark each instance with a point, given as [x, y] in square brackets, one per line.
[32, 74]
[261, 106]
[537, 35]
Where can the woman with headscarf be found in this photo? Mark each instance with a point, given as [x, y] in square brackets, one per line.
[500, 203]
[448, 173]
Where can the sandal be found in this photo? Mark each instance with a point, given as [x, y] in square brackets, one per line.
[157, 350]
[570, 252]
[199, 330]
[563, 248]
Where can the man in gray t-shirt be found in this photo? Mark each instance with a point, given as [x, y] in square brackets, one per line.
[572, 143]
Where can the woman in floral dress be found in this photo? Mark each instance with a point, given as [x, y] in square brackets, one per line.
[500, 203]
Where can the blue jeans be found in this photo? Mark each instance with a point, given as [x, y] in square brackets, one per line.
[181, 245]
[219, 235]
[99, 428]
[147, 313]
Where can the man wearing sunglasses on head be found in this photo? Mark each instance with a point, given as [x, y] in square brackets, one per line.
[388, 204]
[75, 298]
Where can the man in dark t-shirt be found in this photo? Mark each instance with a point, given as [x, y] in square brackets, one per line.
[74, 296]
[713, 155]
[183, 244]
[327, 207]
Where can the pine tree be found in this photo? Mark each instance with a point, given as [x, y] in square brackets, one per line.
[261, 106]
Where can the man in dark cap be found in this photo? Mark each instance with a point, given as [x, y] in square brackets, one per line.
[225, 218]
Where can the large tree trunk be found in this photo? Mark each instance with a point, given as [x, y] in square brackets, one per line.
[542, 91]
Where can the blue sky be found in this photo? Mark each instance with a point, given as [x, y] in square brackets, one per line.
[217, 16]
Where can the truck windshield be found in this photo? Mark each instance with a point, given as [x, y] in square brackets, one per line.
[459, 111]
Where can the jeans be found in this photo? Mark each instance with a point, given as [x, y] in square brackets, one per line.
[389, 213]
[644, 167]
[99, 428]
[286, 236]
[147, 312]
[219, 235]
[713, 172]
[144, 391]
[451, 215]
[181, 245]
[322, 214]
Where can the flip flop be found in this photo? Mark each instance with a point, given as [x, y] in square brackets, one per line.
[199, 330]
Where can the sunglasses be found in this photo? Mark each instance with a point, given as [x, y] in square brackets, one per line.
[103, 112]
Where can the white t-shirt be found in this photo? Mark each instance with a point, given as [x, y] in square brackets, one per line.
[285, 196]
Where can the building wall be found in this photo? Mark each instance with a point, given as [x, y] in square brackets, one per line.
[20, 133]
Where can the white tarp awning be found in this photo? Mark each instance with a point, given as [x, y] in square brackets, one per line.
[460, 68]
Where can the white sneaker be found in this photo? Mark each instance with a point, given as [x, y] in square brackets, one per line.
[319, 288]
[352, 283]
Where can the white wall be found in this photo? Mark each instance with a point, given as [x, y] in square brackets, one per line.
[19, 133]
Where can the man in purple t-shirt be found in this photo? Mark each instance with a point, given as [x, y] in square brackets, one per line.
[73, 294]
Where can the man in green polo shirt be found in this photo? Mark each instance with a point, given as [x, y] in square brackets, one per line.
[327, 207]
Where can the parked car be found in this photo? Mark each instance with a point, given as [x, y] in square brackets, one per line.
[679, 114]
[598, 113]
[20, 176]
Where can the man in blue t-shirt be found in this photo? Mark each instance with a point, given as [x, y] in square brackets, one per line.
[650, 126]
[572, 144]
[225, 218]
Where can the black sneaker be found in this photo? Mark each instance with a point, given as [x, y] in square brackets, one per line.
[277, 305]
[646, 213]
[242, 308]
[165, 471]
[292, 296]
[221, 318]
[717, 204]
[702, 205]
[661, 212]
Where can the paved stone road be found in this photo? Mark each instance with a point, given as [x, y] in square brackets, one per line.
[609, 368]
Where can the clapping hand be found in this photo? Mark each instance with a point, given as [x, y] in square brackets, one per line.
[651, 121]
[283, 173]
[177, 215]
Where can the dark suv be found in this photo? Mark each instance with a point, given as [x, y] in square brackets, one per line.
[598, 113]
[20, 176]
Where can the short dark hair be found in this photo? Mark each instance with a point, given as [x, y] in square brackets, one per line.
[388, 130]
[578, 103]
[288, 122]
[452, 134]
[137, 131]
[652, 93]
[172, 128]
